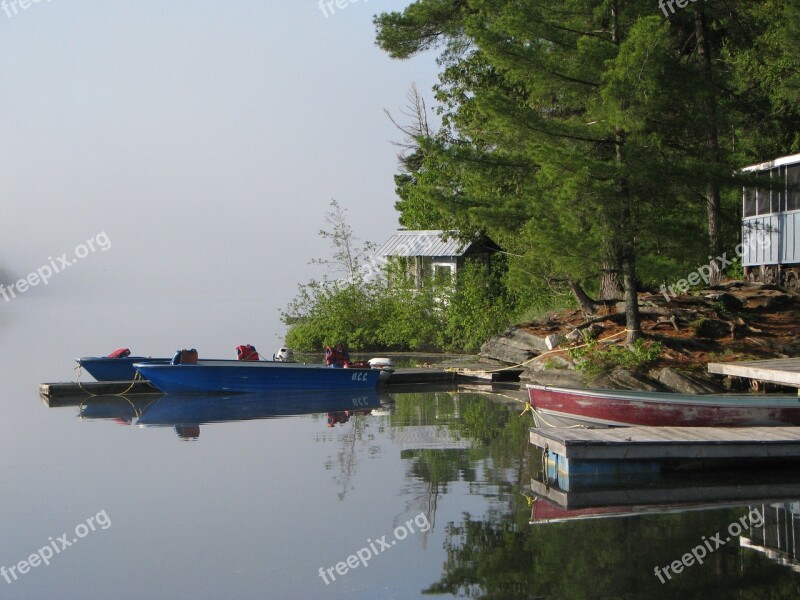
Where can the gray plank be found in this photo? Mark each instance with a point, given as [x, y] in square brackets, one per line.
[640, 443]
[785, 371]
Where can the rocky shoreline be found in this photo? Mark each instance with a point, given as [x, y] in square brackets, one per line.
[732, 322]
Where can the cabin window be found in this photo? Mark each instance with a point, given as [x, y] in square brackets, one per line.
[793, 187]
[749, 202]
[763, 195]
[778, 192]
[443, 274]
[749, 209]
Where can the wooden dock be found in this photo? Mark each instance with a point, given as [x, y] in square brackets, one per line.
[662, 443]
[783, 371]
[52, 392]
[421, 375]
[595, 459]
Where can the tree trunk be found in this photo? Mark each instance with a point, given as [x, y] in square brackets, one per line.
[714, 210]
[632, 316]
[713, 196]
[587, 305]
[610, 286]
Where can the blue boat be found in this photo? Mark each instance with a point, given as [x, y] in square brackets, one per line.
[219, 376]
[104, 368]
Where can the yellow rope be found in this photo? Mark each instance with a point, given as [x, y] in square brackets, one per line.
[136, 378]
[543, 420]
[79, 369]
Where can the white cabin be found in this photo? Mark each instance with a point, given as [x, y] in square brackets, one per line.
[771, 222]
[432, 253]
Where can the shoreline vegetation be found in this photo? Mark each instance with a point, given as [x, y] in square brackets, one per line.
[474, 324]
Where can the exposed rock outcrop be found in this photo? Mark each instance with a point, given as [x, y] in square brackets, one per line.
[686, 383]
[734, 321]
[514, 346]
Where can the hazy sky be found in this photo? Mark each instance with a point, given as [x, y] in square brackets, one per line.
[206, 139]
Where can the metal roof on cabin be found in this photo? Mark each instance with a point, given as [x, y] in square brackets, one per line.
[422, 243]
[771, 164]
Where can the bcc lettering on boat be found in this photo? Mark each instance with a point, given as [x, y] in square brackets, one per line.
[359, 377]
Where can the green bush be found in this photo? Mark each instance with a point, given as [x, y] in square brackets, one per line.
[477, 309]
[594, 361]
[375, 316]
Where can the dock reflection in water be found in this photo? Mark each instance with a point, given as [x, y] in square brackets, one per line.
[778, 535]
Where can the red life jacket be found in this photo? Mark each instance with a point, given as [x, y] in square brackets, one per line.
[121, 353]
[246, 352]
[336, 357]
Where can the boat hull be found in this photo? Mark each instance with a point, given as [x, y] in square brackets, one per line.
[103, 368]
[621, 408]
[246, 376]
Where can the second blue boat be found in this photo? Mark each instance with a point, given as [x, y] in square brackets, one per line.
[210, 376]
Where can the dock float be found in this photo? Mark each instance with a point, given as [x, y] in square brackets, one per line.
[783, 371]
[51, 392]
[420, 375]
[596, 458]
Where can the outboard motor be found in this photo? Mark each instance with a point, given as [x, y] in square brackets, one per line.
[185, 357]
[284, 355]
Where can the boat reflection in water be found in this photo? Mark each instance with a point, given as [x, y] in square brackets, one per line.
[121, 409]
[186, 412]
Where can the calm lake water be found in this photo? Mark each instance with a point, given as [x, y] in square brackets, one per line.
[423, 493]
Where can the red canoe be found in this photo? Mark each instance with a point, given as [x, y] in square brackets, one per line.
[620, 408]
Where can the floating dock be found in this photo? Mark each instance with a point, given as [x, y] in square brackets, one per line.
[647, 443]
[783, 371]
[63, 394]
[584, 459]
